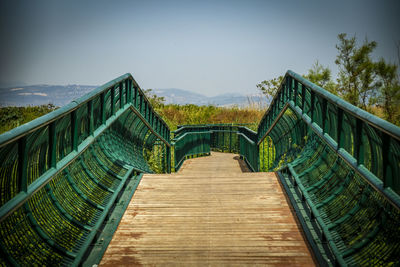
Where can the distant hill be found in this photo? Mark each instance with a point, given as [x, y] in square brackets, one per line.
[35, 95]
[181, 97]
[60, 95]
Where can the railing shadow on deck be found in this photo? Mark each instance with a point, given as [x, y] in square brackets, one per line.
[242, 164]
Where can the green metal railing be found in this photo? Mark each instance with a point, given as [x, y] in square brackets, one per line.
[341, 169]
[62, 173]
[191, 144]
[197, 140]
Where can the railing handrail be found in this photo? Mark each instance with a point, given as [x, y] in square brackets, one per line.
[214, 124]
[247, 138]
[239, 126]
[369, 118]
[48, 118]
[175, 140]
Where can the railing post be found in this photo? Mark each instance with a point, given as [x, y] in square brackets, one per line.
[296, 87]
[90, 117]
[267, 152]
[303, 98]
[74, 131]
[103, 108]
[157, 127]
[128, 91]
[339, 127]
[146, 111]
[121, 104]
[168, 159]
[140, 104]
[223, 140]
[131, 91]
[324, 109]
[112, 100]
[263, 151]
[23, 164]
[230, 138]
[278, 102]
[289, 81]
[387, 170]
[163, 159]
[52, 145]
[358, 142]
[135, 96]
[312, 105]
[257, 157]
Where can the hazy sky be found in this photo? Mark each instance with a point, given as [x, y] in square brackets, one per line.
[210, 47]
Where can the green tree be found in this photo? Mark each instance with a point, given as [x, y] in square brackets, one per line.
[389, 94]
[321, 76]
[270, 87]
[155, 101]
[356, 81]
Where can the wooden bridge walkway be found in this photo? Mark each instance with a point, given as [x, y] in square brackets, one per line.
[212, 212]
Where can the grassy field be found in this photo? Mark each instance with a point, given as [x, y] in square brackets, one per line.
[175, 115]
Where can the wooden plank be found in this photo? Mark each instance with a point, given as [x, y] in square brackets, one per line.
[212, 212]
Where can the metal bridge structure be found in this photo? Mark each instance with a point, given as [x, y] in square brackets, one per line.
[66, 178]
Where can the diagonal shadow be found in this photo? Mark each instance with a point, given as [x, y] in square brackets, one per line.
[242, 164]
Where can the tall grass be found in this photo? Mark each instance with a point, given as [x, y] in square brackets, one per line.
[175, 115]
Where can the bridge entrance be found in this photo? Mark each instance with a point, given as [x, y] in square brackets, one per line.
[213, 211]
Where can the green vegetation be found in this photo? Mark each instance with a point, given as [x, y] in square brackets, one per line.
[371, 85]
[175, 115]
[270, 87]
[11, 117]
[321, 76]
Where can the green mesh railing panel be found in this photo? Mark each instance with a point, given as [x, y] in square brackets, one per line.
[61, 174]
[341, 169]
[191, 140]
[190, 144]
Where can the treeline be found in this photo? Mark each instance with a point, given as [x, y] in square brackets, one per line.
[11, 117]
[371, 85]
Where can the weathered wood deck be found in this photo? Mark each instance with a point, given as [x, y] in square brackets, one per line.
[212, 212]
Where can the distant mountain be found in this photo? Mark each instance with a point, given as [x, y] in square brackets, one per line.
[182, 97]
[33, 95]
[60, 95]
